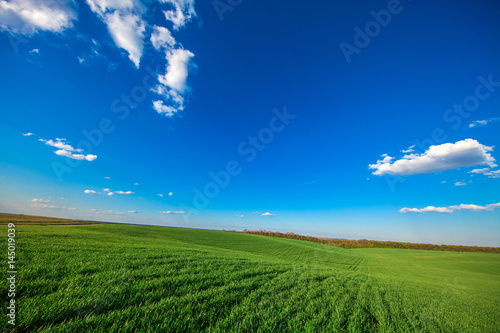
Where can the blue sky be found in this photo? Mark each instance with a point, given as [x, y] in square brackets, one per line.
[365, 119]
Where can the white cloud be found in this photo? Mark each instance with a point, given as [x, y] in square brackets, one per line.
[35, 51]
[136, 184]
[267, 214]
[160, 195]
[60, 144]
[173, 212]
[100, 7]
[409, 150]
[110, 194]
[493, 174]
[437, 158]
[45, 205]
[28, 134]
[110, 212]
[124, 23]
[124, 192]
[177, 69]
[182, 12]
[67, 150]
[40, 200]
[171, 193]
[127, 31]
[240, 216]
[133, 211]
[428, 209]
[460, 184]
[161, 38]
[451, 209]
[90, 192]
[39, 205]
[173, 84]
[477, 123]
[107, 177]
[255, 213]
[106, 190]
[29, 16]
[443, 182]
[474, 208]
[80, 157]
[485, 170]
[163, 109]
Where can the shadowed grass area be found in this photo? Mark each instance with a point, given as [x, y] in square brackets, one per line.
[124, 278]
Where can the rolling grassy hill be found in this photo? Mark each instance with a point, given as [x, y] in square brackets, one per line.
[125, 278]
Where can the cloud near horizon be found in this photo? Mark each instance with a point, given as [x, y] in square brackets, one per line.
[173, 212]
[267, 214]
[438, 158]
[450, 209]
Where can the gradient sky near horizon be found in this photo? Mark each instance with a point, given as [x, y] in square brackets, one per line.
[361, 119]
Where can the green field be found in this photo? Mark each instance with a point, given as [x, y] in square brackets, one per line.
[125, 278]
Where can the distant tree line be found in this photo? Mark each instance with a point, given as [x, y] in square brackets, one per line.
[364, 243]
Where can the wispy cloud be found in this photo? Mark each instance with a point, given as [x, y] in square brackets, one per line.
[448, 156]
[28, 134]
[106, 212]
[478, 171]
[123, 192]
[65, 149]
[451, 209]
[478, 123]
[173, 212]
[108, 192]
[460, 184]
[161, 38]
[267, 214]
[133, 211]
[487, 172]
[429, 209]
[409, 150]
[40, 200]
[47, 204]
[493, 174]
[240, 216]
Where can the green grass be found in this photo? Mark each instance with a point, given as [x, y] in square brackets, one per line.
[123, 278]
[21, 219]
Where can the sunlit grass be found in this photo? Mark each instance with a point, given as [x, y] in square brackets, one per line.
[122, 278]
